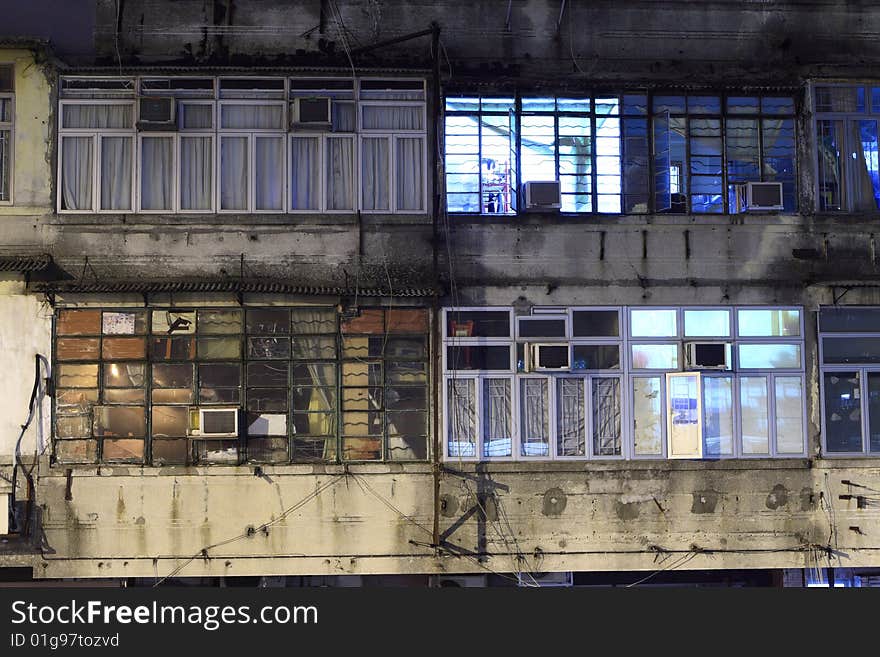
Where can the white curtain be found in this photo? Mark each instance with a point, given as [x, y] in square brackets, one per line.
[116, 173]
[76, 173]
[234, 173]
[4, 164]
[305, 173]
[340, 174]
[195, 116]
[409, 160]
[389, 117]
[196, 171]
[269, 173]
[497, 436]
[374, 174]
[462, 418]
[571, 417]
[252, 117]
[97, 116]
[535, 418]
[343, 117]
[157, 171]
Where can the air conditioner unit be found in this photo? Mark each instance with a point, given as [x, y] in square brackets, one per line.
[216, 423]
[764, 196]
[543, 357]
[310, 113]
[543, 195]
[708, 355]
[565, 578]
[156, 113]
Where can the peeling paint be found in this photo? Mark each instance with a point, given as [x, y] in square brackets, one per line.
[705, 501]
[555, 502]
[778, 497]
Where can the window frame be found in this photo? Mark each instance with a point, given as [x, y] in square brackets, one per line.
[9, 127]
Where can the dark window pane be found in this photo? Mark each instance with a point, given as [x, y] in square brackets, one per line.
[406, 372]
[172, 376]
[170, 421]
[219, 321]
[127, 421]
[216, 451]
[179, 348]
[849, 320]
[314, 424]
[595, 323]
[267, 450]
[267, 374]
[874, 411]
[314, 374]
[483, 324]
[170, 452]
[478, 358]
[406, 348]
[313, 449]
[406, 398]
[268, 321]
[541, 328]
[219, 375]
[851, 350]
[407, 433]
[314, 399]
[596, 357]
[268, 347]
[219, 395]
[267, 399]
[843, 414]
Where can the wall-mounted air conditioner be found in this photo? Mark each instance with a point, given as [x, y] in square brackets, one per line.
[764, 196]
[216, 423]
[542, 195]
[543, 357]
[156, 113]
[310, 113]
[708, 355]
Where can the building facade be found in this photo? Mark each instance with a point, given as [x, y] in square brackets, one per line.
[406, 289]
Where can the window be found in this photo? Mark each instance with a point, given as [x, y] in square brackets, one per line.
[7, 119]
[850, 380]
[598, 147]
[623, 387]
[165, 385]
[848, 175]
[236, 146]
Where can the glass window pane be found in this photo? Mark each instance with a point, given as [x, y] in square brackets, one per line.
[478, 323]
[219, 348]
[474, 357]
[269, 173]
[157, 173]
[222, 375]
[497, 418]
[769, 356]
[124, 375]
[77, 376]
[768, 323]
[717, 416]
[234, 174]
[172, 375]
[789, 415]
[707, 323]
[252, 117]
[655, 356]
[653, 323]
[169, 421]
[596, 323]
[219, 321]
[116, 165]
[268, 321]
[596, 357]
[830, 146]
[606, 416]
[123, 421]
[535, 412]
[851, 350]
[865, 187]
[375, 173]
[647, 416]
[409, 161]
[340, 174]
[755, 415]
[173, 322]
[76, 173]
[843, 412]
[571, 417]
[196, 173]
[873, 412]
[461, 418]
[305, 173]
[849, 320]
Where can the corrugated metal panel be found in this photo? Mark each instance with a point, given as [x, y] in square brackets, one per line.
[25, 263]
[235, 286]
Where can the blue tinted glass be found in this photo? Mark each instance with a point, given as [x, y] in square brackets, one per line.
[538, 104]
[637, 105]
[777, 105]
[573, 104]
[742, 105]
[497, 104]
[462, 104]
[704, 105]
[868, 137]
[672, 104]
[875, 99]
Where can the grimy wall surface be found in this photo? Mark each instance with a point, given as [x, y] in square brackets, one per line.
[128, 521]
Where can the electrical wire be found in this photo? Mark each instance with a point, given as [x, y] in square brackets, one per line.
[251, 531]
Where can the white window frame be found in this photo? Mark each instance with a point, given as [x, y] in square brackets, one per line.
[251, 137]
[630, 434]
[9, 126]
[846, 117]
[97, 134]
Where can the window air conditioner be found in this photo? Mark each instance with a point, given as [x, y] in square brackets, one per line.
[542, 195]
[707, 355]
[764, 196]
[311, 113]
[548, 356]
[216, 423]
[156, 113]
